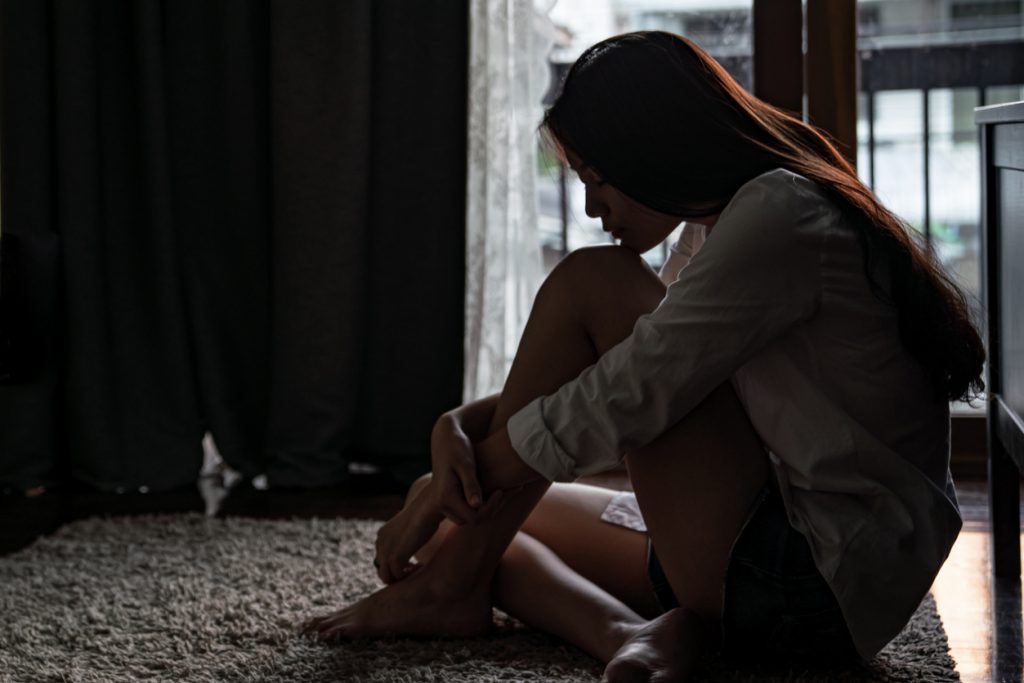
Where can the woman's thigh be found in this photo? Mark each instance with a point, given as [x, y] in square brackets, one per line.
[568, 520]
[696, 485]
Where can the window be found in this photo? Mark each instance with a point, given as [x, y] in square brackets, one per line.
[924, 67]
[985, 13]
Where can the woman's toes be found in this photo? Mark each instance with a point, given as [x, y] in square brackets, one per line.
[626, 671]
[660, 652]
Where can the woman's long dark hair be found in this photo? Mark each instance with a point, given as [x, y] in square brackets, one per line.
[663, 122]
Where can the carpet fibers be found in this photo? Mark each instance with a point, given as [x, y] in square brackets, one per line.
[189, 598]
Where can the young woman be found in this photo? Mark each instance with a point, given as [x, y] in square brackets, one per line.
[782, 407]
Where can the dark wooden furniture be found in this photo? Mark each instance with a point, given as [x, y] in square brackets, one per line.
[1002, 150]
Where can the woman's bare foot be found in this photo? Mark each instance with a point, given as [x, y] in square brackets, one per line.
[662, 651]
[414, 606]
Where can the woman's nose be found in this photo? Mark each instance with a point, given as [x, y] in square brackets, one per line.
[594, 206]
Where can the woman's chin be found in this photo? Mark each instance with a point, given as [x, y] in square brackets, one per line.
[641, 248]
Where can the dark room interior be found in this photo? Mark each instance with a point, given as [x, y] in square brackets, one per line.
[265, 265]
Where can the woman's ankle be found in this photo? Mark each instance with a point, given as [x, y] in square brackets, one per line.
[459, 568]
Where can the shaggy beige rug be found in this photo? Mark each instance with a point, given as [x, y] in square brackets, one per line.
[189, 598]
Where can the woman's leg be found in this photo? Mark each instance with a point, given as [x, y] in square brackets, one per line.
[590, 302]
[592, 575]
[695, 485]
[535, 585]
[716, 454]
[568, 521]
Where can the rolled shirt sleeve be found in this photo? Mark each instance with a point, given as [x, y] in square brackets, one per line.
[756, 276]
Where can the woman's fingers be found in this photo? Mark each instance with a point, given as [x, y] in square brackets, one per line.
[390, 564]
[491, 507]
[380, 563]
[391, 561]
[458, 512]
[465, 468]
[318, 626]
[396, 570]
[383, 570]
[401, 570]
[387, 562]
[453, 502]
[452, 454]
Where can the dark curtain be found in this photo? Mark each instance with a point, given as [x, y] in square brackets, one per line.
[239, 217]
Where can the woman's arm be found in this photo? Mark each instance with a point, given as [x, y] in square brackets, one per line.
[499, 466]
[474, 418]
[757, 277]
[491, 464]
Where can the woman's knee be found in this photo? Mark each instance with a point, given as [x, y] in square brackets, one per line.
[599, 266]
[605, 288]
[721, 407]
[722, 411]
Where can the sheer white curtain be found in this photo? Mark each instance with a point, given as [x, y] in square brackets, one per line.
[508, 76]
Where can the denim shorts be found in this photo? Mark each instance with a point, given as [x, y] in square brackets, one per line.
[776, 607]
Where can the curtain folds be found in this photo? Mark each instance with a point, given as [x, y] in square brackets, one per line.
[508, 77]
[242, 218]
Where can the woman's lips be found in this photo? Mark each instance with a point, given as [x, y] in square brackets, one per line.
[616, 233]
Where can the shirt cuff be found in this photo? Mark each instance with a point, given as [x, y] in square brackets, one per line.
[536, 445]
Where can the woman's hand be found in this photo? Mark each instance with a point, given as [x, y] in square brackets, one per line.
[455, 486]
[410, 529]
[404, 534]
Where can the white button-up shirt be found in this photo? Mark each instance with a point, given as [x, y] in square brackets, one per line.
[776, 300]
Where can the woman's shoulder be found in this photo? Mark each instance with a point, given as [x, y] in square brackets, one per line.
[780, 196]
[784, 185]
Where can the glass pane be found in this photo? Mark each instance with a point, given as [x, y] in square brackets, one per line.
[906, 33]
[863, 139]
[549, 205]
[955, 190]
[899, 153]
[941, 33]
[905, 23]
[722, 27]
[583, 230]
[1001, 94]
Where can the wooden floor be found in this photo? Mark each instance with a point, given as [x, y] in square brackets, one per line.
[982, 618]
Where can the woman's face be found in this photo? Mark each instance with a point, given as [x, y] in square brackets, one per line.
[634, 225]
